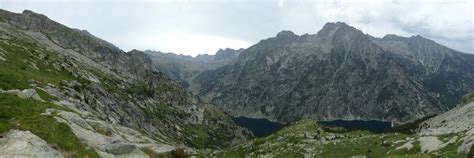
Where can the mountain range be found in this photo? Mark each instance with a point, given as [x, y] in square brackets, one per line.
[184, 68]
[338, 73]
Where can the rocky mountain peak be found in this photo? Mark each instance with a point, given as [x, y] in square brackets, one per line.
[227, 54]
[284, 37]
[334, 25]
[421, 40]
[286, 34]
[330, 28]
[34, 21]
[392, 37]
[29, 12]
[223, 51]
[340, 31]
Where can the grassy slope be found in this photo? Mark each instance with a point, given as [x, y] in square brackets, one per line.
[16, 113]
[16, 70]
[291, 142]
[467, 98]
[23, 54]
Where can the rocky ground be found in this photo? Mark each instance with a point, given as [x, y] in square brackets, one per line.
[457, 123]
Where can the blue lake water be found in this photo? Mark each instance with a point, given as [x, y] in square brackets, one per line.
[372, 125]
[260, 127]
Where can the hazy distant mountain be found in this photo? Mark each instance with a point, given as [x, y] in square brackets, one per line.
[340, 73]
[184, 68]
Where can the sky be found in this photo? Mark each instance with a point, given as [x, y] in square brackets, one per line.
[194, 27]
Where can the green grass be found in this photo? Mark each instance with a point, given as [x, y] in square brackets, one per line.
[451, 149]
[293, 154]
[232, 154]
[471, 152]
[467, 98]
[409, 156]
[410, 127]
[178, 153]
[101, 129]
[16, 113]
[141, 88]
[152, 154]
[110, 83]
[197, 134]
[159, 111]
[45, 96]
[15, 71]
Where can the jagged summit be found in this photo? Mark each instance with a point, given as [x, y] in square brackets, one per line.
[330, 28]
[393, 37]
[285, 34]
[227, 54]
[29, 12]
[419, 38]
[227, 49]
[335, 25]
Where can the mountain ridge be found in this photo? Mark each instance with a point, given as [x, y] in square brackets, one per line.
[121, 104]
[338, 51]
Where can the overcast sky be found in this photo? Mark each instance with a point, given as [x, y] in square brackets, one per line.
[203, 26]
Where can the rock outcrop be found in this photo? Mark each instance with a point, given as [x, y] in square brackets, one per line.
[24, 94]
[18, 143]
[458, 121]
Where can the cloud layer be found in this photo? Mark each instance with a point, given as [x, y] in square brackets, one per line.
[203, 26]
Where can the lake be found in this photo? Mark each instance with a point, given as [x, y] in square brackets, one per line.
[371, 125]
[260, 127]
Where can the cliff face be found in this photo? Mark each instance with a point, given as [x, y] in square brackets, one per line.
[340, 73]
[93, 77]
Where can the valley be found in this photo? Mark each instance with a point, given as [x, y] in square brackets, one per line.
[337, 93]
[447, 135]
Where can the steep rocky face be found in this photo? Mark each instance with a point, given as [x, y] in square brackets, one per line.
[227, 54]
[340, 73]
[184, 68]
[91, 76]
[457, 121]
[445, 72]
